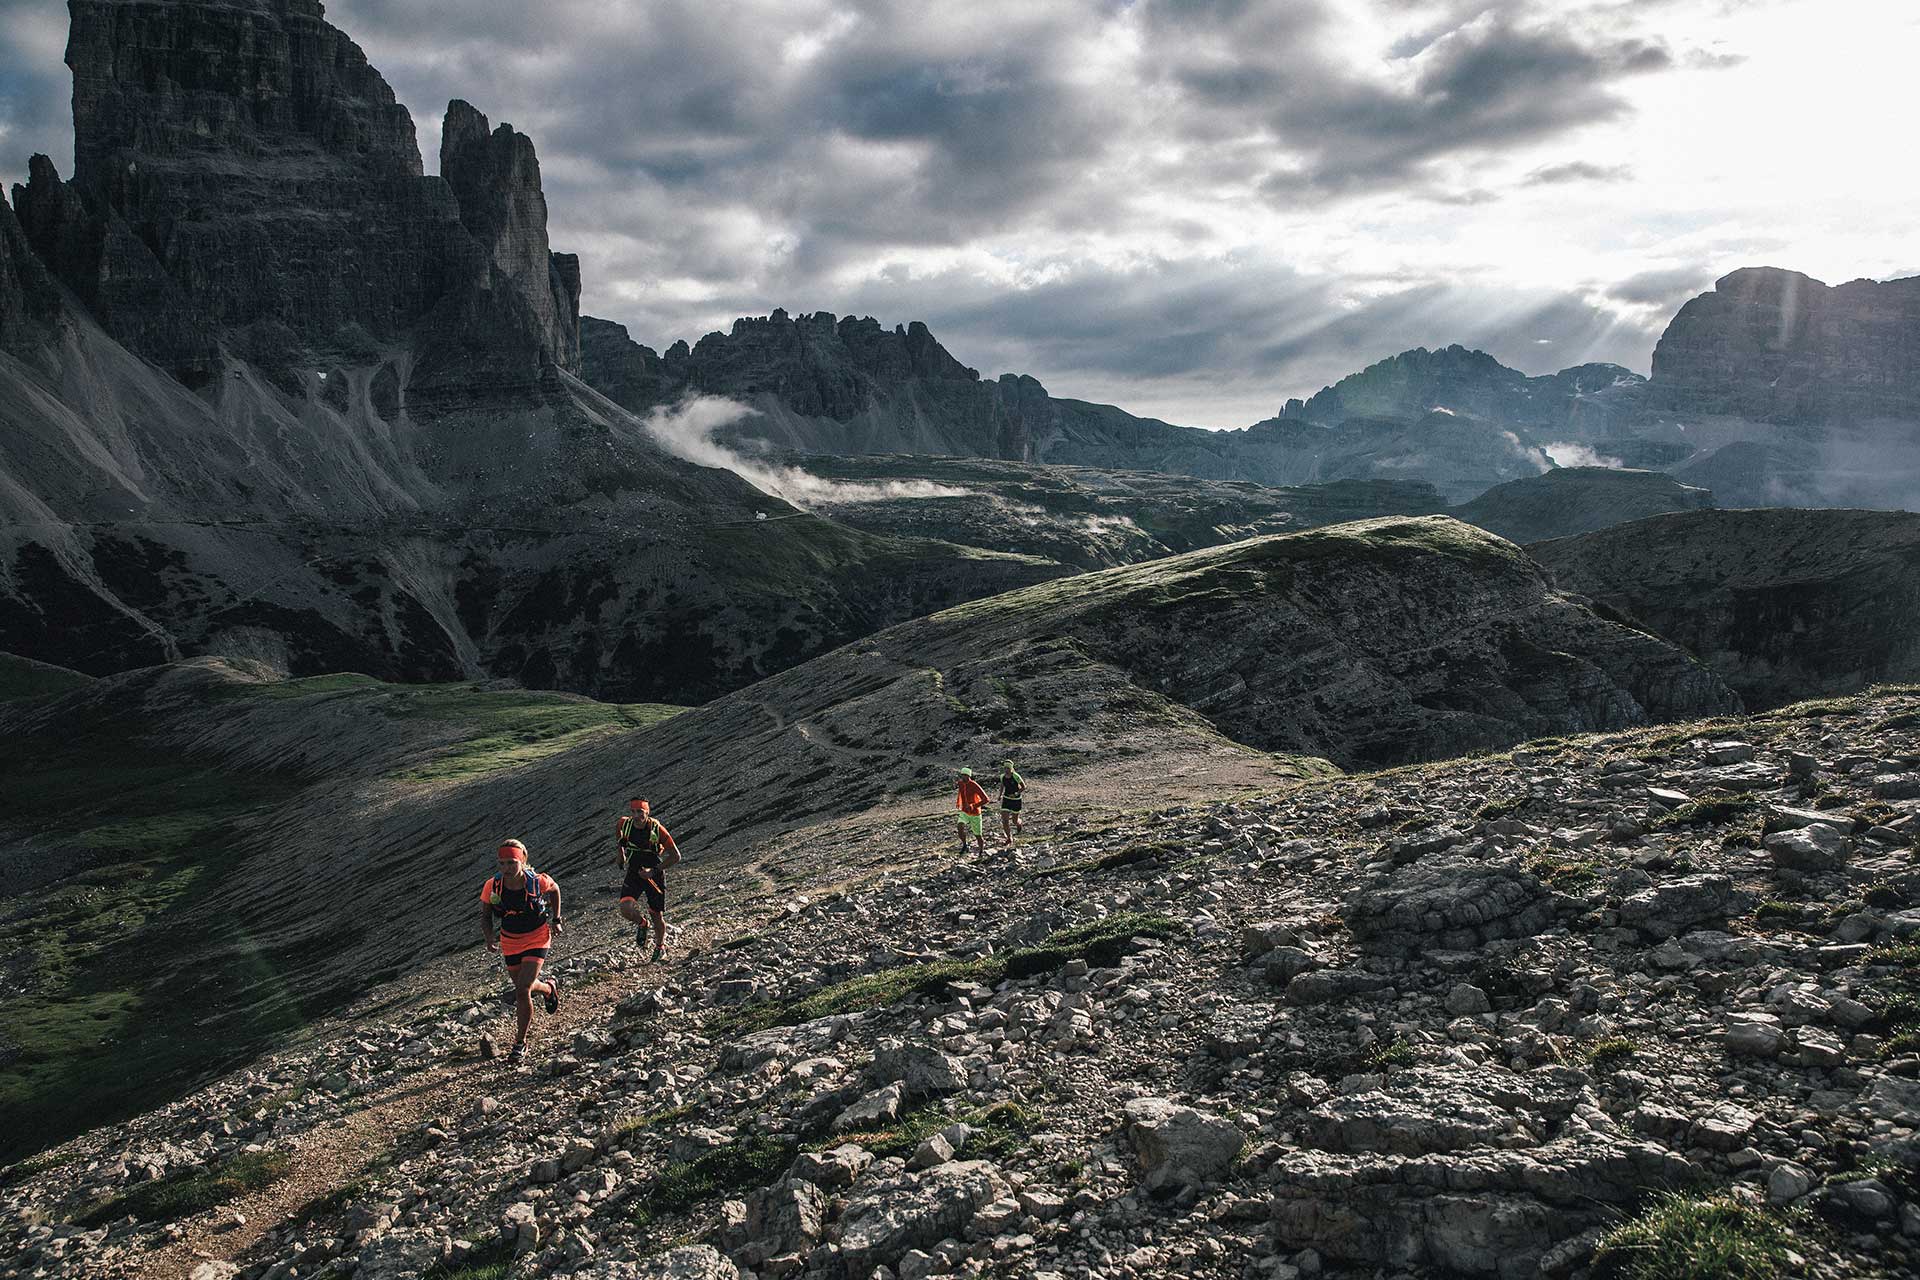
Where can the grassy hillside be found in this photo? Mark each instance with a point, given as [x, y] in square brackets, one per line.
[129, 812]
[25, 678]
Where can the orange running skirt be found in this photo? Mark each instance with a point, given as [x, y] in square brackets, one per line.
[512, 944]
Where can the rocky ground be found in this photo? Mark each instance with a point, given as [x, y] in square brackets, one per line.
[1473, 1018]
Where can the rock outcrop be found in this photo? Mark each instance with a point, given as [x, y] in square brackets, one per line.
[1782, 604]
[496, 179]
[1573, 500]
[29, 301]
[1780, 346]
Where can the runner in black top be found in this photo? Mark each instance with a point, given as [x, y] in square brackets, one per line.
[1012, 786]
[646, 851]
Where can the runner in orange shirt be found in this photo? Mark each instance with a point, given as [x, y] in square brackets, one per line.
[528, 906]
[970, 801]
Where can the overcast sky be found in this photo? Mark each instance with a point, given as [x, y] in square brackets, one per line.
[1191, 210]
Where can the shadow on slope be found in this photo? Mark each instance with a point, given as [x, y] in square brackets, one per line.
[130, 804]
[1783, 604]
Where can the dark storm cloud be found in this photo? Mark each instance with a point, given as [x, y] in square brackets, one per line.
[1488, 78]
[36, 92]
[903, 125]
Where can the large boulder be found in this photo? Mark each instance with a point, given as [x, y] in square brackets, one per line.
[1432, 1109]
[402, 1254]
[783, 1219]
[1454, 904]
[1485, 1213]
[1814, 848]
[915, 1211]
[1179, 1145]
[689, 1262]
[922, 1070]
[1667, 910]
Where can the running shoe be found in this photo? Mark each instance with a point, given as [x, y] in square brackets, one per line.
[640, 932]
[553, 995]
[518, 1056]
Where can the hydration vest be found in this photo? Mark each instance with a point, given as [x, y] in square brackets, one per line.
[528, 915]
[648, 841]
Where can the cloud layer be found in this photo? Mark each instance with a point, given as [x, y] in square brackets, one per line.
[1194, 208]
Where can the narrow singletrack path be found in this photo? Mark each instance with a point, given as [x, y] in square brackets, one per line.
[329, 1159]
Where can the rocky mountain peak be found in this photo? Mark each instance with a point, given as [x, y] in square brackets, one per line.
[495, 177]
[245, 179]
[29, 302]
[1461, 380]
[1781, 346]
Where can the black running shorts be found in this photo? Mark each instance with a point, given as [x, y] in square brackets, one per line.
[647, 882]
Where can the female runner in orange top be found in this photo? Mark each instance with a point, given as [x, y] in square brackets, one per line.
[528, 906]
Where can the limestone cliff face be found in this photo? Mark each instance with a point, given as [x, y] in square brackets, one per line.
[496, 179]
[250, 155]
[245, 180]
[818, 365]
[29, 301]
[1780, 346]
[1783, 604]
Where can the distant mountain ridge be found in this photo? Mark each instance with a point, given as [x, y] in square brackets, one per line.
[1587, 398]
[1770, 360]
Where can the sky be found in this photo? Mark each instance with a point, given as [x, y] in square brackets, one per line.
[1191, 210]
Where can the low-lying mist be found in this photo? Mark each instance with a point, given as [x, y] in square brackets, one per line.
[686, 430]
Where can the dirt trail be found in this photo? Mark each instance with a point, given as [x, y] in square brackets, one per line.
[326, 1160]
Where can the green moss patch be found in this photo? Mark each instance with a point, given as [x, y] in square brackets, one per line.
[999, 1131]
[180, 1196]
[1565, 875]
[631, 1125]
[1697, 1238]
[1098, 942]
[491, 1261]
[1610, 1053]
[727, 1170]
[1709, 810]
[25, 678]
